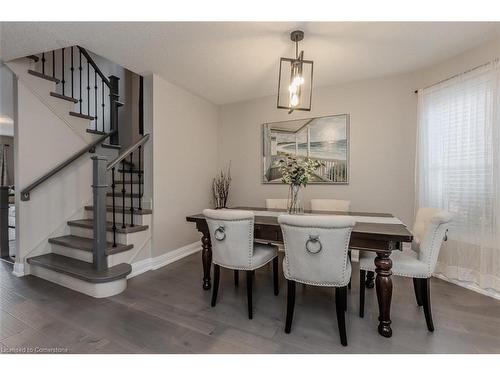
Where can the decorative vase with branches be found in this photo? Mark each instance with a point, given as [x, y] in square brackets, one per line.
[297, 172]
[220, 188]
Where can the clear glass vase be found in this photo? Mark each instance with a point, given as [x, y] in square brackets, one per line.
[294, 200]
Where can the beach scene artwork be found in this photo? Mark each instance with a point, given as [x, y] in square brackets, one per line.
[325, 139]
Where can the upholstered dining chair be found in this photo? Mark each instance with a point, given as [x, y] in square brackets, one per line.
[231, 233]
[277, 203]
[330, 205]
[316, 254]
[429, 230]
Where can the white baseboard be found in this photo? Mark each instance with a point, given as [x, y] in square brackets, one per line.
[469, 286]
[148, 264]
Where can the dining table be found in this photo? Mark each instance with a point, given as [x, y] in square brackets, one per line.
[381, 233]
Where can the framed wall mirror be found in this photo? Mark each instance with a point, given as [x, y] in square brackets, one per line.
[325, 139]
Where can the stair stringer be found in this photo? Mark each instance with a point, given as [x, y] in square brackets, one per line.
[41, 89]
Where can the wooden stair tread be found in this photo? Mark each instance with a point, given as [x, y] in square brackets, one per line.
[96, 132]
[144, 211]
[43, 76]
[89, 224]
[63, 97]
[81, 115]
[121, 182]
[130, 171]
[119, 194]
[80, 269]
[87, 244]
[108, 145]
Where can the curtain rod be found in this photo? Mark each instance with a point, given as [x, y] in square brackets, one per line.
[458, 74]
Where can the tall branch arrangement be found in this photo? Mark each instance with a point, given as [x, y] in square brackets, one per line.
[220, 188]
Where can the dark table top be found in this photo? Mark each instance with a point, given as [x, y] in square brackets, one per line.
[393, 232]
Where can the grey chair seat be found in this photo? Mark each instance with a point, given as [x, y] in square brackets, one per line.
[404, 263]
[233, 247]
[262, 254]
[418, 263]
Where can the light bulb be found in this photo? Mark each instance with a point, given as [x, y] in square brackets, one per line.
[294, 100]
[297, 81]
[293, 89]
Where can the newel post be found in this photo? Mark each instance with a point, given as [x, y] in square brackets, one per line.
[99, 189]
[4, 221]
[114, 95]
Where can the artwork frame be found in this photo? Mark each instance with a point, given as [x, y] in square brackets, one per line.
[325, 138]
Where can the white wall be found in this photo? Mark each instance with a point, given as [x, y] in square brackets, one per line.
[382, 145]
[43, 141]
[184, 162]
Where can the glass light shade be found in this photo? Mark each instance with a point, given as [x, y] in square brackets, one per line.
[295, 84]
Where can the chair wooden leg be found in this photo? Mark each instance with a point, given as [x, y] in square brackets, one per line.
[249, 294]
[362, 278]
[276, 277]
[370, 279]
[215, 287]
[426, 300]
[236, 277]
[417, 286]
[350, 259]
[340, 301]
[290, 305]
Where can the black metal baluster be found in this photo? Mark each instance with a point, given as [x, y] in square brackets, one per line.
[103, 105]
[72, 76]
[63, 81]
[95, 98]
[123, 194]
[113, 185]
[54, 64]
[88, 88]
[43, 63]
[140, 179]
[80, 68]
[131, 190]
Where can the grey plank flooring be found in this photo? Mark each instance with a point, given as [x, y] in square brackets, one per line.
[166, 311]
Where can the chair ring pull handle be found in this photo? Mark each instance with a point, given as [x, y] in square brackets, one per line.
[220, 233]
[314, 239]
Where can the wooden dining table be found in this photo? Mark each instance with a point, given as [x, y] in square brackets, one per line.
[375, 232]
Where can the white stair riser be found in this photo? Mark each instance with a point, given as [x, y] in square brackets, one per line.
[138, 219]
[101, 290]
[82, 255]
[86, 256]
[123, 238]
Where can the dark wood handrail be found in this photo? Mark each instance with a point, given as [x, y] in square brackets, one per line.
[25, 193]
[127, 152]
[94, 65]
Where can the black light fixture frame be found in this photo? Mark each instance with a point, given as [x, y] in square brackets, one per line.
[296, 36]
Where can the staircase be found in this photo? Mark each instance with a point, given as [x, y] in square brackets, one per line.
[95, 255]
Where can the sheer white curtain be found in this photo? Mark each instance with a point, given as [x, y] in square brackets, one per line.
[458, 169]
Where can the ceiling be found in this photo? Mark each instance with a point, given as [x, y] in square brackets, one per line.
[226, 62]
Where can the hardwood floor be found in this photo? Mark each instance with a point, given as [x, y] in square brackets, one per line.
[166, 311]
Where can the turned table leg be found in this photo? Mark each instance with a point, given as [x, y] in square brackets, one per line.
[206, 258]
[383, 284]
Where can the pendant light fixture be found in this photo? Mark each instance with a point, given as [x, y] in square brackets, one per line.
[295, 79]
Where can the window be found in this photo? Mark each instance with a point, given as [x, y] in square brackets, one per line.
[458, 152]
